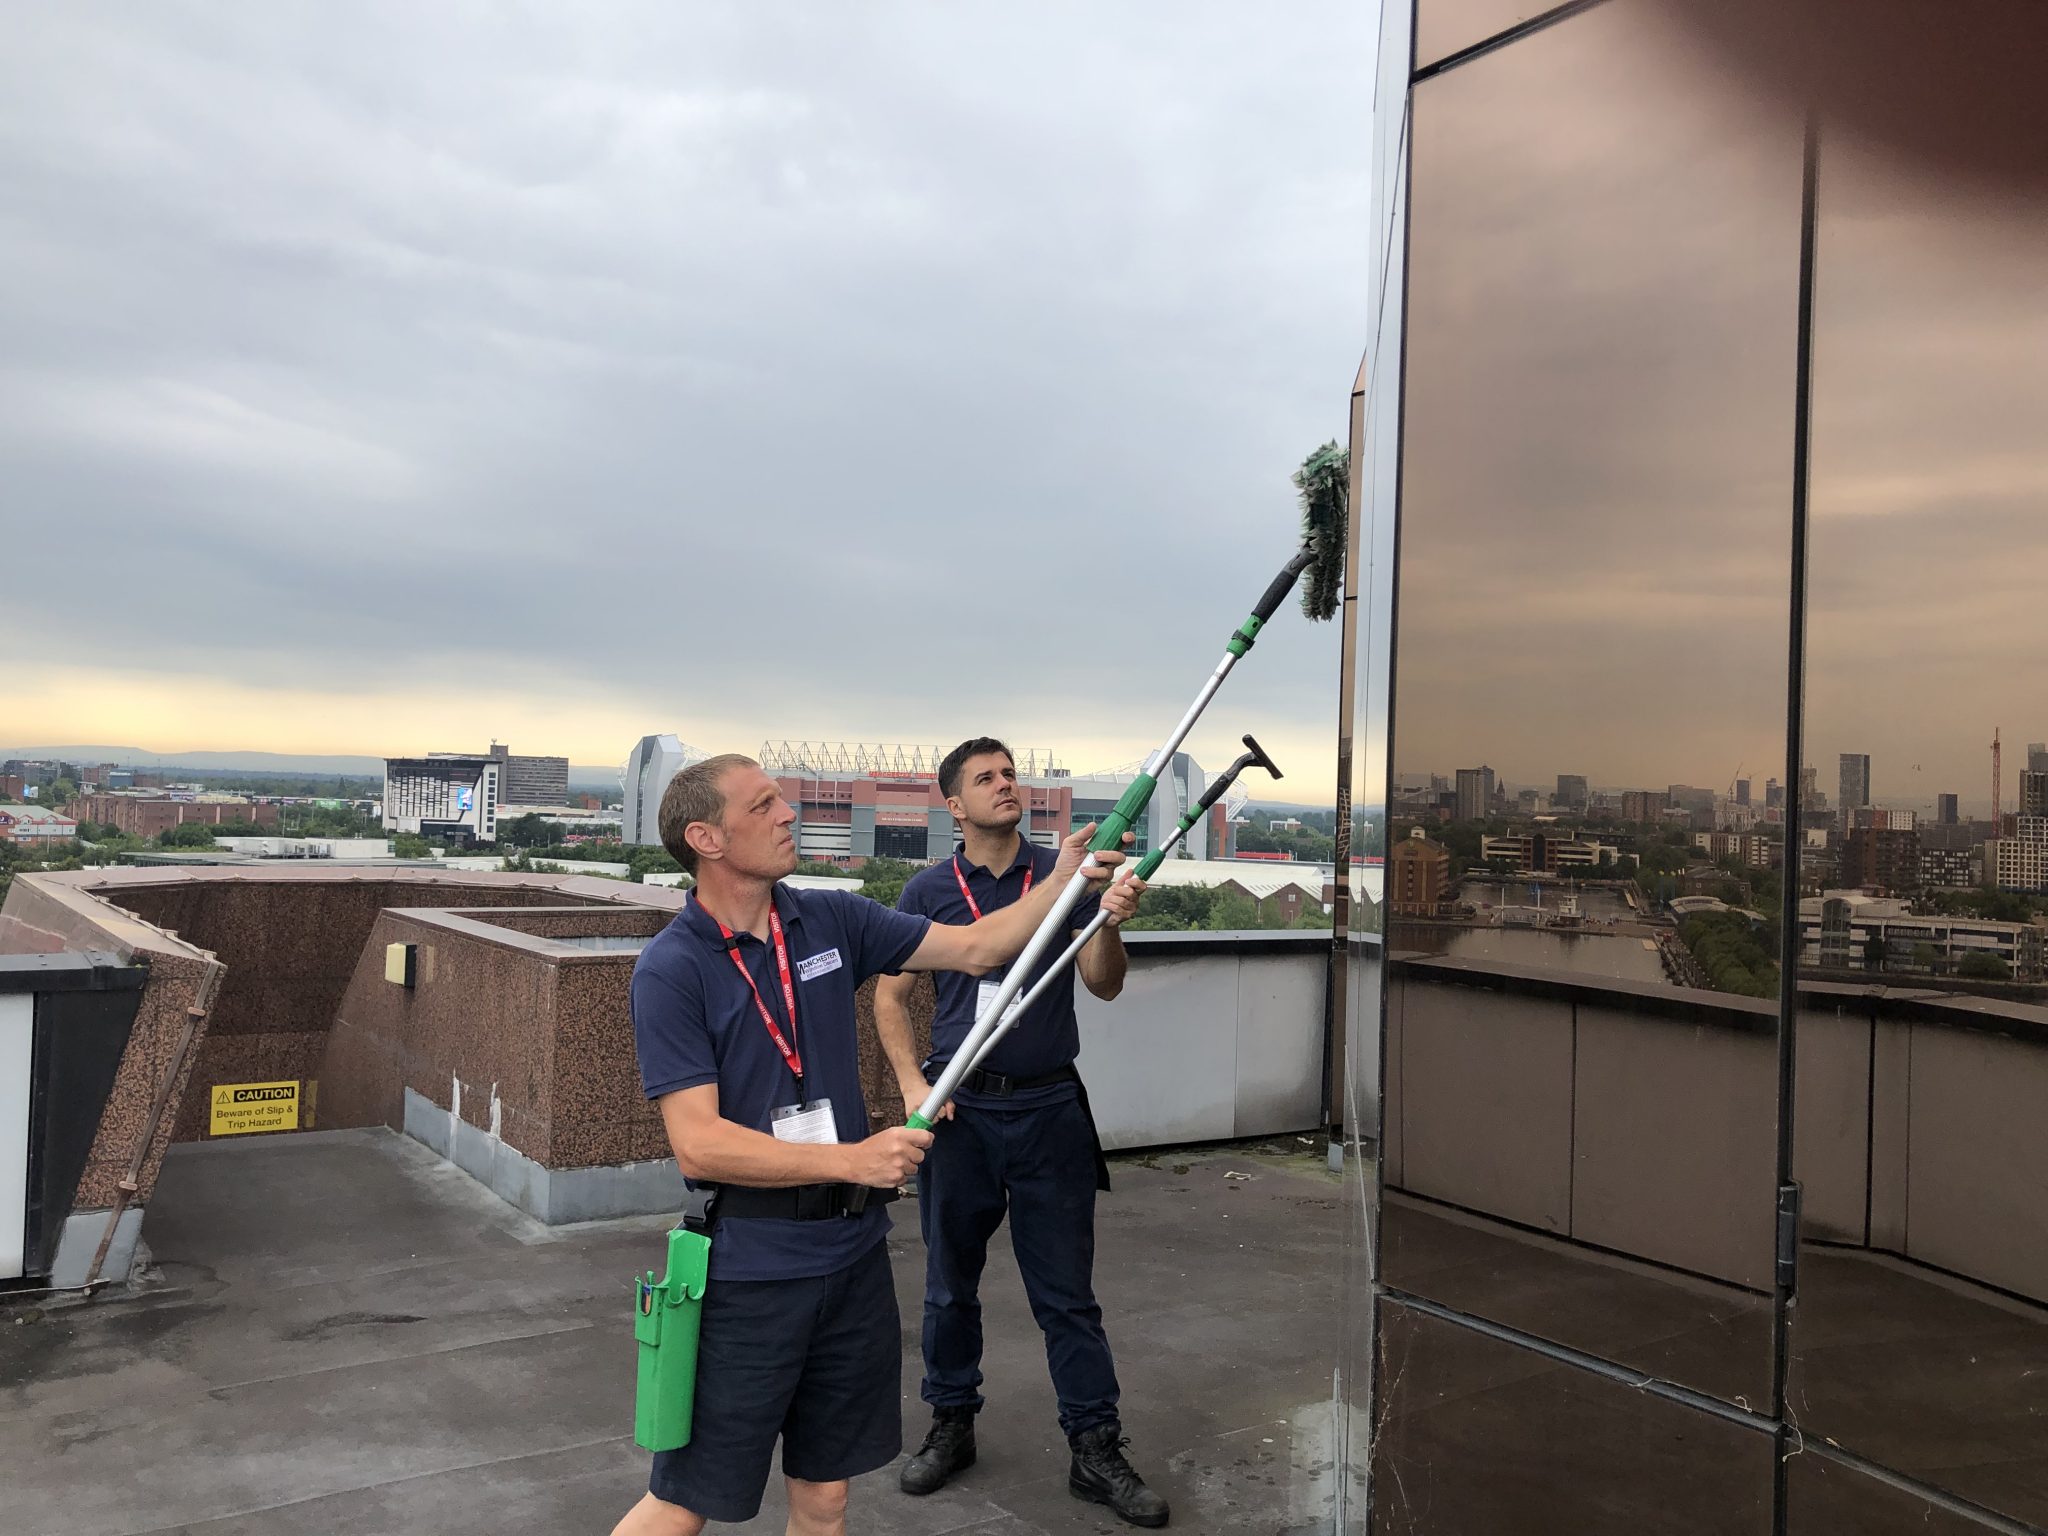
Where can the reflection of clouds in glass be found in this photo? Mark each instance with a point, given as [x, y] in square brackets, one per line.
[1596, 514]
[1926, 614]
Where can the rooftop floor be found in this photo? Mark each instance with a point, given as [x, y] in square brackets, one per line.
[344, 1335]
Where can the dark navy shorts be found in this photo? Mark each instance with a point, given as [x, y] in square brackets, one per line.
[818, 1362]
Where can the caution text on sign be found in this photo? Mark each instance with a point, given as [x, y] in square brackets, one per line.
[239, 1108]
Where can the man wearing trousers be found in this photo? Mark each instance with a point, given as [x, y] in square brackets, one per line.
[1017, 1139]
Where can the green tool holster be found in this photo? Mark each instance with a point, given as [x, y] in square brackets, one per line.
[666, 1318]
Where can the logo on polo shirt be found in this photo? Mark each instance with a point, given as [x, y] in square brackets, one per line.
[813, 966]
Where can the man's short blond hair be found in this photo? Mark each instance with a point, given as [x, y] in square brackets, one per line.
[693, 795]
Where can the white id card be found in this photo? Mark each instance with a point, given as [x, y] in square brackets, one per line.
[986, 994]
[810, 1122]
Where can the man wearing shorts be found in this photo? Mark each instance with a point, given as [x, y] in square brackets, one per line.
[743, 1016]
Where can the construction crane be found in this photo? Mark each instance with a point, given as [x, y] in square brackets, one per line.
[1997, 789]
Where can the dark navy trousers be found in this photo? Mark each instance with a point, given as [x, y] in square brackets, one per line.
[1038, 1164]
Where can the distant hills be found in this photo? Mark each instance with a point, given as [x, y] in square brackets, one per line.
[312, 765]
[309, 764]
[1286, 807]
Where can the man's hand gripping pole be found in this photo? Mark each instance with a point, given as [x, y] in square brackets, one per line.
[1130, 807]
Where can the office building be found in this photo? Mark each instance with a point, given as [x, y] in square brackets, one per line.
[1749, 848]
[531, 780]
[152, 815]
[1946, 810]
[1545, 853]
[522, 780]
[1691, 799]
[2019, 862]
[1855, 781]
[1418, 876]
[2037, 757]
[1850, 931]
[1742, 792]
[1950, 868]
[443, 795]
[1572, 793]
[653, 761]
[1475, 793]
[2034, 792]
[1643, 805]
[1881, 858]
[1811, 796]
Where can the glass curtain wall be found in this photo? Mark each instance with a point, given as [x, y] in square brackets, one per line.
[1920, 1335]
[1374, 445]
[1704, 438]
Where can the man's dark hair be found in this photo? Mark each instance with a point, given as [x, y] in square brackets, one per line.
[949, 770]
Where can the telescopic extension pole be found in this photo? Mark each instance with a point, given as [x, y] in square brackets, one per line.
[1254, 757]
[1108, 837]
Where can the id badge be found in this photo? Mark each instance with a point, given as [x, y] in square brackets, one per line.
[985, 993]
[811, 1123]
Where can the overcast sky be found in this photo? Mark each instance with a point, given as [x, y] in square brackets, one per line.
[398, 377]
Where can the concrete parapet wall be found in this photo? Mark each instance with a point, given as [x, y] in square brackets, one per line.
[1644, 1123]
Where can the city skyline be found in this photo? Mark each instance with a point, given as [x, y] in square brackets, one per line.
[432, 727]
[1896, 788]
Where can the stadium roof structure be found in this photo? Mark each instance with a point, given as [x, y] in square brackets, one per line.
[886, 760]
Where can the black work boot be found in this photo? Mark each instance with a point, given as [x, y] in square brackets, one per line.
[948, 1448]
[1101, 1475]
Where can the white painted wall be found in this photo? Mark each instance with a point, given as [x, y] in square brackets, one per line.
[17, 1041]
[1206, 1047]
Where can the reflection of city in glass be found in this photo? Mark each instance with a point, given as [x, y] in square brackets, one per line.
[1589, 705]
[1920, 1336]
[1714, 1027]
[1679, 885]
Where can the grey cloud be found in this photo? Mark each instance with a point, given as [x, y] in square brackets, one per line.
[787, 339]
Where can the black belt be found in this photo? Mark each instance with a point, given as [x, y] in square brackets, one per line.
[801, 1202]
[997, 1086]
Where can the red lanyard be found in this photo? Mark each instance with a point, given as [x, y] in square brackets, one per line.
[974, 906]
[732, 947]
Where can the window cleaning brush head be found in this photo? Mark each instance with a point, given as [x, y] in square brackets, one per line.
[1324, 483]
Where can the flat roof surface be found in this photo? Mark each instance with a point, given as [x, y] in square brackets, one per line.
[345, 1335]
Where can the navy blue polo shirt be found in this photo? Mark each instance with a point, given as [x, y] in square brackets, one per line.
[1047, 1037]
[695, 1022]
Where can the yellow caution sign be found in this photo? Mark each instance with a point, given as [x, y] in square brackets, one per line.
[239, 1108]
